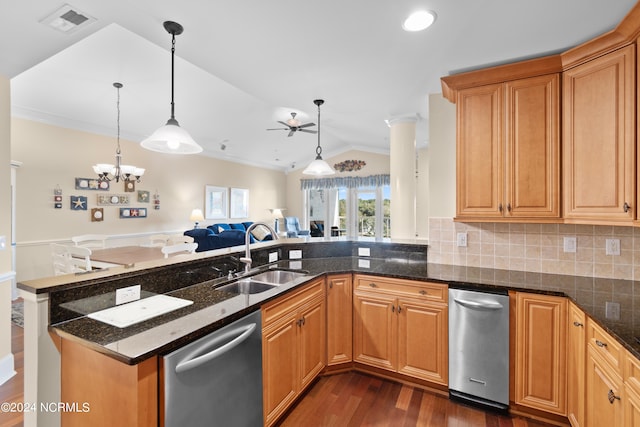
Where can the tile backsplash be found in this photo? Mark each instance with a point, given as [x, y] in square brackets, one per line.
[536, 248]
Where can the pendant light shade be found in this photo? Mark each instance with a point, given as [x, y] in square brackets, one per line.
[318, 167]
[171, 138]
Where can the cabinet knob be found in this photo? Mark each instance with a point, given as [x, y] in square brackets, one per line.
[600, 343]
[626, 207]
[612, 396]
[578, 324]
[373, 285]
[423, 292]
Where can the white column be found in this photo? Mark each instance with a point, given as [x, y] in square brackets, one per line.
[403, 177]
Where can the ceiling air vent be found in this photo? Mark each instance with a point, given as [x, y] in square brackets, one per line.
[67, 19]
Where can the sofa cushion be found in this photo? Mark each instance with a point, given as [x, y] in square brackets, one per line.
[238, 226]
[260, 232]
[232, 237]
[220, 227]
[198, 232]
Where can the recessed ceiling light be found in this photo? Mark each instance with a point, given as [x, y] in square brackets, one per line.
[419, 20]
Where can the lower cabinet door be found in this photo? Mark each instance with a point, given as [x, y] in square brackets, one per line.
[603, 401]
[280, 365]
[374, 330]
[423, 340]
[312, 330]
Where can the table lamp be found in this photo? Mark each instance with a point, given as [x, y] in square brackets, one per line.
[196, 215]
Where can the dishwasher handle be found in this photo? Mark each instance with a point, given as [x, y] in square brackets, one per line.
[191, 362]
[486, 305]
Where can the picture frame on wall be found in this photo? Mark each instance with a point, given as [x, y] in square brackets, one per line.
[215, 202]
[133, 212]
[239, 203]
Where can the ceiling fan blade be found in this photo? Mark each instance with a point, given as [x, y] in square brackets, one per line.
[291, 132]
[278, 129]
[306, 125]
[283, 123]
[308, 130]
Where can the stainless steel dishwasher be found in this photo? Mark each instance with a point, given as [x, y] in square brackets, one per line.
[216, 380]
[479, 347]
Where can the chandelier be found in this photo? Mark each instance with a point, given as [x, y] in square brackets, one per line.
[107, 171]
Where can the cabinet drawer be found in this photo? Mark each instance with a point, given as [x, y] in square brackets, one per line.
[606, 346]
[407, 288]
[632, 372]
[273, 310]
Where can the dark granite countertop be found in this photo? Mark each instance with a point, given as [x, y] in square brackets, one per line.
[213, 308]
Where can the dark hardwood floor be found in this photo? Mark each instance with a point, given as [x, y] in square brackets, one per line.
[357, 400]
[13, 390]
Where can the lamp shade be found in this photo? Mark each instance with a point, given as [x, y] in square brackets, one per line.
[196, 215]
[172, 139]
[319, 167]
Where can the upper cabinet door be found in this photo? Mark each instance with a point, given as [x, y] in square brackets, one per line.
[599, 139]
[480, 160]
[532, 142]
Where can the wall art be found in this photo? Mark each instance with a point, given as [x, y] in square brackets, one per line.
[78, 203]
[97, 214]
[91, 184]
[349, 165]
[129, 186]
[112, 199]
[156, 200]
[239, 202]
[57, 197]
[215, 202]
[133, 212]
[143, 196]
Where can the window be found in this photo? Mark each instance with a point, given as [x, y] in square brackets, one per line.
[353, 206]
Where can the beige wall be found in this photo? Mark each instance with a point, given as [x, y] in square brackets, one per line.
[52, 155]
[376, 164]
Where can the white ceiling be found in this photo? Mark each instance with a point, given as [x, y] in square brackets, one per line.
[241, 65]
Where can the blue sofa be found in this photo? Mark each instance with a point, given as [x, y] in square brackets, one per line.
[222, 235]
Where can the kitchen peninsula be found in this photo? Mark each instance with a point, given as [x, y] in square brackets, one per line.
[137, 348]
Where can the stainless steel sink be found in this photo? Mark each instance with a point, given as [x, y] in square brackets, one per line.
[246, 286]
[278, 277]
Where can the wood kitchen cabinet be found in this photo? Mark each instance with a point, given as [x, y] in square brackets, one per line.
[508, 150]
[576, 359]
[339, 319]
[631, 405]
[540, 352]
[599, 139]
[401, 326]
[293, 346]
[603, 392]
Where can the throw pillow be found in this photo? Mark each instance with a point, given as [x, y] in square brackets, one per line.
[260, 232]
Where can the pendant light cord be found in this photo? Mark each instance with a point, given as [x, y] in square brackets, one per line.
[173, 52]
[118, 86]
[318, 148]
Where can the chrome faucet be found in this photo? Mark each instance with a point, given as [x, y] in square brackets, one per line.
[247, 242]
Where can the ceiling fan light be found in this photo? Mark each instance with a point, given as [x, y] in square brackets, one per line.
[172, 139]
[418, 21]
[318, 167]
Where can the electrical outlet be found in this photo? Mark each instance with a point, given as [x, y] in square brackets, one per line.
[296, 254]
[612, 247]
[462, 240]
[128, 294]
[612, 310]
[364, 252]
[273, 256]
[570, 244]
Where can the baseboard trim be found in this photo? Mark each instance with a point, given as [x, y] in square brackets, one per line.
[7, 370]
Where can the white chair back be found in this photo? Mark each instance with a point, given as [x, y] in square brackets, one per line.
[96, 241]
[174, 239]
[180, 247]
[157, 240]
[70, 259]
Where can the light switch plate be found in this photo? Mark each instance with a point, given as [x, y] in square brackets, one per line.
[273, 256]
[462, 240]
[570, 244]
[612, 247]
[128, 294]
[295, 254]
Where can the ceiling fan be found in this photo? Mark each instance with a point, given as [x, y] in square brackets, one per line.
[293, 125]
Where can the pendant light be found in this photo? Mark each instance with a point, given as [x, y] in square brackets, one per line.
[107, 171]
[319, 166]
[171, 138]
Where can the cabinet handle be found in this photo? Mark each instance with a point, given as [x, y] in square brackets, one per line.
[373, 285]
[393, 308]
[423, 292]
[509, 207]
[399, 309]
[303, 320]
[299, 322]
[600, 343]
[500, 207]
[578, 324]
[626, 207]
[612, 397]
[330, 285]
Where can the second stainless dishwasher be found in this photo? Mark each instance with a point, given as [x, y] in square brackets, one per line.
[479, 347]
[216, 380]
